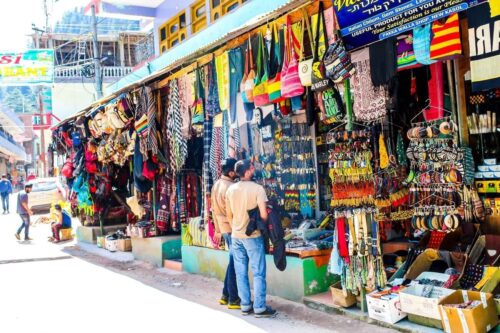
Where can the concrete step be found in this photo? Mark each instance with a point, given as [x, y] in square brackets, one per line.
[175, 265]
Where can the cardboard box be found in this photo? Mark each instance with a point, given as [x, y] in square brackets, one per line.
[412, 301]
[386, 309]
[424, 321]
[481, 318]
[111, 244]
[340, 298]
[124, 245]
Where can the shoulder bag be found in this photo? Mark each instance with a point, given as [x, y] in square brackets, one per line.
[290, 80]
[318, 77]
[247, 82]
[260, 91]
[274, 84]
[305, 65]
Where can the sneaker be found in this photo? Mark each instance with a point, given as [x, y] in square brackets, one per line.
[234, 305]
[269, 313]
[28, 239]
[247, 312]
[223, 300]
[17, 236]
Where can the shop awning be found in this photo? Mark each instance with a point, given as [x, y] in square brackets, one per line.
[248, 14]
[246, 18]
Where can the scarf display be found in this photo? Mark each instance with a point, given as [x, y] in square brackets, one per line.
[177, 142]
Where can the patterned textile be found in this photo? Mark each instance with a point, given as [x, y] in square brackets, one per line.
[184, 106]
[436, 239]
[370, 101]
[207, 175]
[422, 44]
[237, 141]
[222, 69]
[178, 143]
[216, 152]
[446, 38]
[212, 106]
[225, 134]
[472, 275]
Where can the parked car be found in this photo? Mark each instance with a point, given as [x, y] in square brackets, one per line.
[45, 192]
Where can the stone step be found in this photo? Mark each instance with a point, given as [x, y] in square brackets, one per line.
[175, 265]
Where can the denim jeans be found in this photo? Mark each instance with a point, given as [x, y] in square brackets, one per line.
[25, 225]
[230, 289]
[251, 250]
[236, 65]
[5, 201]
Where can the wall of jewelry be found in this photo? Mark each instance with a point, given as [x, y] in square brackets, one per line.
[436, 177]
[295, 168]
[356, 254]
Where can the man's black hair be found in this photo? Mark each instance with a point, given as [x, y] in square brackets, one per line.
[228, 166]
[58, 207]
[241, 167]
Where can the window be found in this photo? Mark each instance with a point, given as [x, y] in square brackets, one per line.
[219, 8]
[198, 16]
[174, 31]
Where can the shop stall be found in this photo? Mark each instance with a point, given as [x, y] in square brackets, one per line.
[378, 148]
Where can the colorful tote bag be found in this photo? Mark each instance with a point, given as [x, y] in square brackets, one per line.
[290, 80]
[318, 74]
[260, 90]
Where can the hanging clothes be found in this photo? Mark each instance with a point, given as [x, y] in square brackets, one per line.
[222, 70]
[422, 44]
[236, 68]
[183, 83]
[178, 143]
[446, 38]
[217, 147]
[383, 61]
[369, 101]
[147, 106]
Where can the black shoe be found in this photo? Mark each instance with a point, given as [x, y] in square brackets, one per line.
[247, 312]
[269, 313]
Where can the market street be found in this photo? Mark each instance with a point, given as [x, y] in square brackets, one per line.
[59, 288]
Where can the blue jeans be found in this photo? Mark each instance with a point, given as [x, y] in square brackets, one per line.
[251, 250]
[5, 201]
[230, 289]
[25, 225]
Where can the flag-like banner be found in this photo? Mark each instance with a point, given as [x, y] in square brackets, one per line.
[365, 21]
[27, 67]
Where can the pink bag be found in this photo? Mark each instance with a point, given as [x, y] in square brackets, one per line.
[290, 80]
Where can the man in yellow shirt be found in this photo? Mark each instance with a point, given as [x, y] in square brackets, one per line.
[223, 228]
[240, 198]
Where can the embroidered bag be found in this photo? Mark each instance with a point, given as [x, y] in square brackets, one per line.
[248, 81]
[290, 80]
[260, 93]
[305, 65]
[318, 76]
[274, 83]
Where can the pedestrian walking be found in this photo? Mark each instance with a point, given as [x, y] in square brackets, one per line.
[24, 212]
[5, 191]
[223, 229]
[240, 198]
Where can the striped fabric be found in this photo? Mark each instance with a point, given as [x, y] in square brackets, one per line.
[178, 143]
[225, 134]
[446, 38]
[422, 44]
[207, 176]
[152, 140]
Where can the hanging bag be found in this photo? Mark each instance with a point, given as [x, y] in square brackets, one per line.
[260, 91]
[305, 65]
[318, 77]
[337, 60]
[274, 84]
[248, 81]
[290, 80]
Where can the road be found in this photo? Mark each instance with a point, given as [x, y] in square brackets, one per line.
[47, 287]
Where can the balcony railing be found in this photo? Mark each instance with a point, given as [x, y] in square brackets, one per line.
[72, 72]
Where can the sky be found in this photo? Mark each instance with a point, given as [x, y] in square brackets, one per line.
[17, 16]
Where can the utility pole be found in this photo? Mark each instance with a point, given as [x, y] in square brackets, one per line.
[97, 56]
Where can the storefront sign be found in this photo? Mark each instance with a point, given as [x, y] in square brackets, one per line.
[484, 46]
[28, 67]
[365, 21]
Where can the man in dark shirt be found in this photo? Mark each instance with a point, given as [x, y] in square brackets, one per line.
[24, 212]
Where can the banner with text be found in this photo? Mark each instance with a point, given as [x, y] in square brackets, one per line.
[27, 67]
[365, 21]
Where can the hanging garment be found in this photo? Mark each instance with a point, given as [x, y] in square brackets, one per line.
[436, 94]
[212, 106]
[369, 101]
[147, 104]
[422, 44]
[235, 76]
[222, 70]
[383, 61]
[484, 46]
[216, 148]
[446, 38]
[177, 142]
[405, 53]
[184, 106]
[225, 134]
[207, 175]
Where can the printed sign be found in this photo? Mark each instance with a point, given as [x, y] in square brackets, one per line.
[28, 67]
[365, 21]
